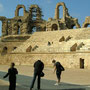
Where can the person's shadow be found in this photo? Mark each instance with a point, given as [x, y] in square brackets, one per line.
[63, 89]
[24, 82]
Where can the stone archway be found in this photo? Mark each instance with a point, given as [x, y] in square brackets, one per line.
[57, 10]
[73, 26]
[86, 25]
[54, 27]
[86, 22]
[17, 10]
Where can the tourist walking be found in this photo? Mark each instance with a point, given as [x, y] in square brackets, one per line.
[12, 76]
[38, 68]
[58, 68]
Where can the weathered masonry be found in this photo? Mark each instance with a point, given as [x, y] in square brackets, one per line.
[29, 37]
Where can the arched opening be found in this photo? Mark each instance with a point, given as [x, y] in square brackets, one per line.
[81, 63]
[49, 43]
[88, 25]
[38, 28]
[21, 12]
[19, 31]
[60, 12]
[73, 27]
[54, 27]
[4, 51]
[34, 13]
[34, 29]
[45, 29]
[19, 20]
[0, 28]
[14, 48]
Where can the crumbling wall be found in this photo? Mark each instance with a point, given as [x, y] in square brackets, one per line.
[87, 22]
[17, 10]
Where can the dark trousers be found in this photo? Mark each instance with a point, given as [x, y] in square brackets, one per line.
[12, 85]
[36, 75]
[58, 74]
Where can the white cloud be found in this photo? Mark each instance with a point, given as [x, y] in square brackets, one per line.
[1, 7]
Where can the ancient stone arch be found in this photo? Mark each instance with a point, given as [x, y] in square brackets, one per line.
[86, 25]
[35, 9]
[17, 10]
[87, 22]
[57, 10]
[54, 27]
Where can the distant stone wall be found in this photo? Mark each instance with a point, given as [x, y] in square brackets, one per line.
[68, 60]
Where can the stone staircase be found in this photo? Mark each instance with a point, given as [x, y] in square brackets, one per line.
[41, 39]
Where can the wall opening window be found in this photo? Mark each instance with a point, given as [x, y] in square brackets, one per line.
[73, 27]
[34, 29]
[34, 13]
[60, 12]
[14, 48]
[19, 32]
[54, 27]
[81, 63]
[21, 12]
[38, 28]
[0, 28]
[88, 25]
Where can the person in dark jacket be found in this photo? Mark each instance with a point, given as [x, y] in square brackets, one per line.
[38, 68]
[58, 68]
[12, 77]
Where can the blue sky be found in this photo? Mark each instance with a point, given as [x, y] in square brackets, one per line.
[77, 8]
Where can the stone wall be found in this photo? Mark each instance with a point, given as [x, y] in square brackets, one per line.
[68, 60]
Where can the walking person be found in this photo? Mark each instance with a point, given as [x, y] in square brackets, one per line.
[12, 76]
[38, 68]
[58, 68]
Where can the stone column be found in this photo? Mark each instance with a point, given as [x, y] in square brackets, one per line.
[56, 13]
[4, 28]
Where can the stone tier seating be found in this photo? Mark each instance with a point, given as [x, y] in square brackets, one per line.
[56, 41]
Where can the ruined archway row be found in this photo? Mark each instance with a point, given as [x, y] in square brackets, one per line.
[33, 18]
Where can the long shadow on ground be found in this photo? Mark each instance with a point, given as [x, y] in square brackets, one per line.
[25, 81]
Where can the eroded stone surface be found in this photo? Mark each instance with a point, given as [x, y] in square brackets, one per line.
[28, 38]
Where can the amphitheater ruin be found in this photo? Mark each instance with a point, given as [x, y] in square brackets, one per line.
[28, 38]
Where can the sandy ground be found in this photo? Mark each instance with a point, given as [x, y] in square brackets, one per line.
[71, 76]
